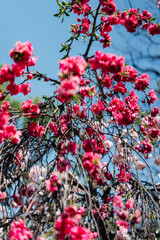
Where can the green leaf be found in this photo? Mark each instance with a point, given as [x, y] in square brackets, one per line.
[78, 3]
[62, 49]
[64, 3]
[127, 11]
[152, 19]
[59, 3]
[66, 14]
[56, 15]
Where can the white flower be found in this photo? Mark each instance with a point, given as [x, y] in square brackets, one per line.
[139, 165]
[108, 144]
[133, 134]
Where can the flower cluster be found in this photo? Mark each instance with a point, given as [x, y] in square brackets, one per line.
[97, 108]
[29, 107]
[72, 69]
[125, 112]
[22, 56]
[19, 231]
[92, 163]
[67, 225]
[107, 62]
[124, 215]
[35, 130]
[7, 131]
[53, 183]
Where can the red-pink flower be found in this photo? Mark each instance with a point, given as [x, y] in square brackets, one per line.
[75, 65]
[6, 74]
[68, 88]
[81, 233]
[85, 25]
[137, 216]
[2, 196]
[14, 89]
[35, 130]
[122, 224]
[29, 107]
[123, 176]
[19, 231]
[16, 70]
[120, 87]
[32, 61]
[53, 183]
[123, 214]
[16, 137]
[107, 82]
[25, 88]
[62, 164]
[72, 147]
[97, 108]
[145, 146]
[107, 62]
[117, 201]
[142, 82]
[130, 203]
[21, 52]
[153, 96]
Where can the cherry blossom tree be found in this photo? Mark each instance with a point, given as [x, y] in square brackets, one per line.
[82, 164]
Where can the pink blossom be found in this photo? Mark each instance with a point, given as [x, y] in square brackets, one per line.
[123, 176]
[154, 29]
[72, 147]
[81, 233]
[19, 231]
[21, 52]
[145, 147]
[137, 216]
[107, 82]
[85, 25]
[35, 130]
[2, 196]
[97, 108]
[153, 96]
[6, 74]
[32, 61]
[157, 161]
[122, 224]
[53, 183]
[14, 89]
[120, 87]
[130, 203]
[41, 238]
[16, 137]
[75, 65]
[25, 88]
[139, 165]
[117, 201]
[154, 133]
[68, 88]
[29, 107]
[16, 70]
[107, 62]
[122, 214]
[30, 76]
[142, 82]
[155, 111]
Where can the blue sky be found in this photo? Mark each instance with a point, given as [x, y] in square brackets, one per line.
[33, 21]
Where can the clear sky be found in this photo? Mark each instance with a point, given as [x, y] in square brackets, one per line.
[33, 21]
